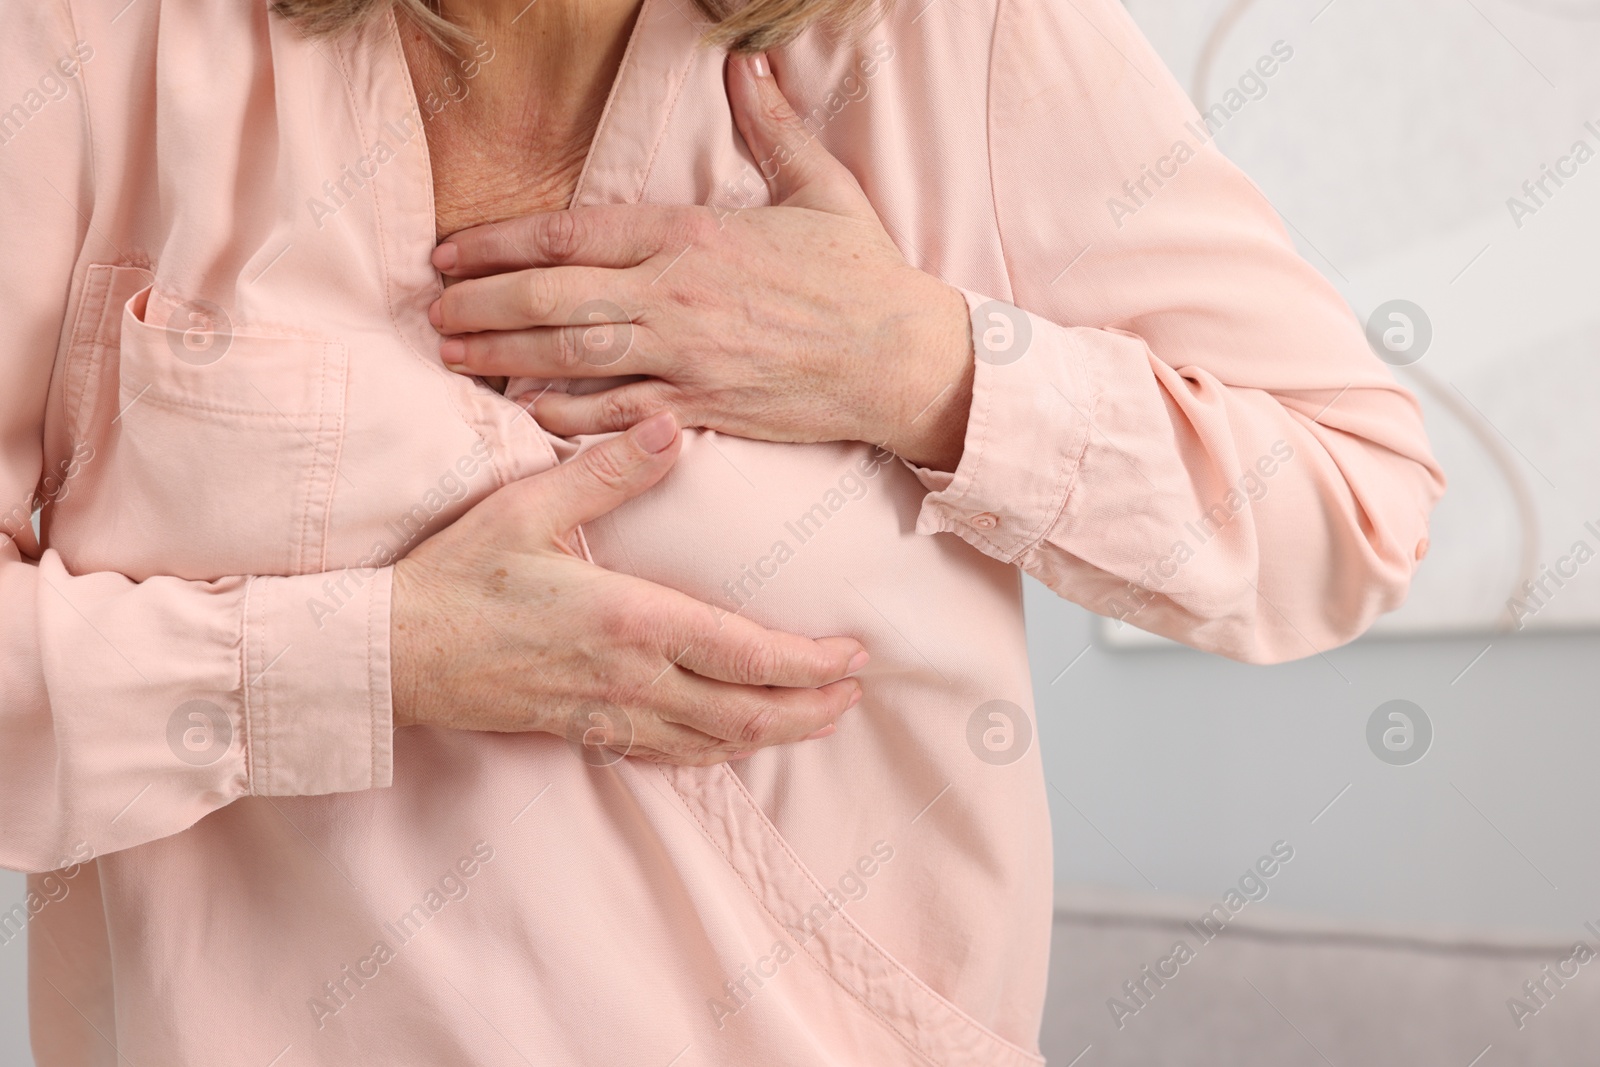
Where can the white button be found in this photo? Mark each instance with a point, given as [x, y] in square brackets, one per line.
[985, 520]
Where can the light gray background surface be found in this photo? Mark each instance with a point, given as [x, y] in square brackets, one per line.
[1173, 771]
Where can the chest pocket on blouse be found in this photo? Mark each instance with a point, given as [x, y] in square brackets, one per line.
[222, 445]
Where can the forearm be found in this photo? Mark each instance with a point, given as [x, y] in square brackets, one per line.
[132, 709]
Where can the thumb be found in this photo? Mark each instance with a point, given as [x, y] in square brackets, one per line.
[601, 478]
[798, 170]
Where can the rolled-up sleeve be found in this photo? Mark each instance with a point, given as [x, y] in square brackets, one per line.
[1176, 420]
[129, 710]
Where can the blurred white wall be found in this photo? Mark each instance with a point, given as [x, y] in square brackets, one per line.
[1445, 154]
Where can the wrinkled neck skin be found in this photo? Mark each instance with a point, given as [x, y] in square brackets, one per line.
[509, 123]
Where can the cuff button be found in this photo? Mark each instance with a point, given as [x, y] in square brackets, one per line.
[985, 520]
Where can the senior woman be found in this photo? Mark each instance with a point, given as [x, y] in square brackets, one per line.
[368, 698]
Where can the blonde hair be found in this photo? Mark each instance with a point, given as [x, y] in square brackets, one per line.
[738, 25]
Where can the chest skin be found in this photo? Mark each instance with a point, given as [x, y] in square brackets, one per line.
[503, 140]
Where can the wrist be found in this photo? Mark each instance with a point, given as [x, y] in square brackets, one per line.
[939, 367]
[404, 687]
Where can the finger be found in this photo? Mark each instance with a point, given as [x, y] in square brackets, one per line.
[754, 717]
[599, 350]
[661, 741]
[731, 648]
[681, 746]
[610, 235]
[653, 731]
[649, 736]
[603, 412]
[548, 296]
[799, 171]
[602, 477]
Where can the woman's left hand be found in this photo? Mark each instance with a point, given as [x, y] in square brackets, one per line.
[798, 322]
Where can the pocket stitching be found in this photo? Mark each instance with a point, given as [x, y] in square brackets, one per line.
[180, 394]
[88, 341]
[177, 403]
[331, 385]
[172, 399]
[75, 380]
[314, 419]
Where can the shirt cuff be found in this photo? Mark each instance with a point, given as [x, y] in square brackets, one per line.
[318, 712]
[1026, 434]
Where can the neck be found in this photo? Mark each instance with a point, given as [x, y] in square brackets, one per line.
[509, 123]
[553, 58]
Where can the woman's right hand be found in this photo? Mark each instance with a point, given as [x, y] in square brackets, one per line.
[497, 624]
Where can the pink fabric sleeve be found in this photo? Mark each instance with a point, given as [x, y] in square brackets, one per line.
[1185, 428]
[102, 678]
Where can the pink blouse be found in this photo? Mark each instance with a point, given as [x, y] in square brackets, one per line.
[1176, 420]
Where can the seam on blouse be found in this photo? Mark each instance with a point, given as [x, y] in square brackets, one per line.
[988, 143]
[308, 478]
[801, 945]
[84, 353]
[1030, 539]
[958, 494]
[372, 692]
[770, 832]
[749, 801]
[391, 35]
[266, 703]
[987, 425]
[630, 58]
[186, 404]
[1073, 459]
[88, 119]
[1070, 460]
[73, 416]
[666, 121]
[252, 778]
[340, 425]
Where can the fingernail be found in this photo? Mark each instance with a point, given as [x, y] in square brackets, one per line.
[854, 700]
[656, 433]
[746, 754]
[435, 314]
[453, 351]
[758, 65]
[824, 732]
[446, 255]
[857, 661]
